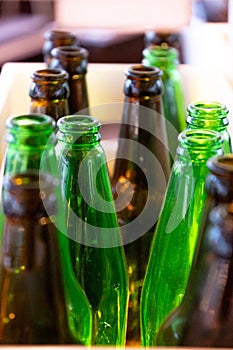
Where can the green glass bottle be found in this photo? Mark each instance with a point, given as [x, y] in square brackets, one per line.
[177, 229]
[31, 146]
[74, 60]
[139, 179]
[49, 92]
[166, 58]
[54, 38]
[96, 248]
[205, 316]
[210, 115]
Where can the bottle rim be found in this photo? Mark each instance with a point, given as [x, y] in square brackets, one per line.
[143, 72]
[73, 51]
[221, 165]
[59, 33]
[199, 139]
[208, 108]
[50, 74]
[31, 122]
[78, 124]
[162, 53]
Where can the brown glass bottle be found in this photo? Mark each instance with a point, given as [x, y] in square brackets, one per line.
[49, 92]
[54, 38]
[33, 306]
[205, 316]
[74, 59]
[139, 179]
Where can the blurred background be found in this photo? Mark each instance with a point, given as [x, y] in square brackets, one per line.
[117, 31]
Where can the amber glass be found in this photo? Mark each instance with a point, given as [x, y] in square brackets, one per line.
[54, 38]
[177, 229]
[31, 147]
[141, 170]
[204, 318]
[49, 91]
[74, 59]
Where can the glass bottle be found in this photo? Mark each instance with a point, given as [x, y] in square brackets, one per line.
[210, 115]
[177, 229]
[33, 305]
[141, 171]
[31, 146]
[204, 318]
[54, 38]
[166, 58]
[95, 244]
[73, 59]
[49, 92]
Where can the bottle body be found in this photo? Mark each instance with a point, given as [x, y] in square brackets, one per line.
[204, 318]
[74, 60]
[49, 92]
[54, 38]
[139, 178]
[31, 148]
[95, 244]
[210, 115]
[166, 58]
[177, 230]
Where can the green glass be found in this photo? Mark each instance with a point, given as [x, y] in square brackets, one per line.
[139, 179]
[166, 58]
[210, 115]
[54, 38]
[73, 59]
[49, 92]
[31, 146]
[204, 318]
[95, 244]
[177, 229]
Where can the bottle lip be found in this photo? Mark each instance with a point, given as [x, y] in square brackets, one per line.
[209, 108]
[78, 124]
[73, 51]
[31, 122]
[221, 165]
[59, 33]
[199, 139]
[143, 72]
[50, 74]
[161, 52]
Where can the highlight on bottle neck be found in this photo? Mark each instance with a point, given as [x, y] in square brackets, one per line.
[79, 130]
[30, 129]
[207, 114]
[199, 144]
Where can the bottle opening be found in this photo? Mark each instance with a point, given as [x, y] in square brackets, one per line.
[30, 121]
[143, 71]
[70, 51]
[207, 107]
[50, 74]
[221, 165]
[78, 123]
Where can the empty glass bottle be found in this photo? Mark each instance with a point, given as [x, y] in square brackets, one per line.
[204, 318]
[49, 92]
[210, 115]
[177, 229]
[139, 178]
[95, 244]
[54, 38]
[74, 59]
[31, 147]
[166, 58]
[33, 304]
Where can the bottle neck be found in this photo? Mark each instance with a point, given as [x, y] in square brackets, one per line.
[77, 131]
[50, 84]
[161, 56]
[204, 114]
[74, 59]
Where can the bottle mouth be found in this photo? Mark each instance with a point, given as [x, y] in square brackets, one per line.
[161, 53]
[221, 165]
[73, 52]
[199, 140]
[56, 33]
[31, 122]
[78, 123]
[207, 108]
[142, 71]
[50, 74]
